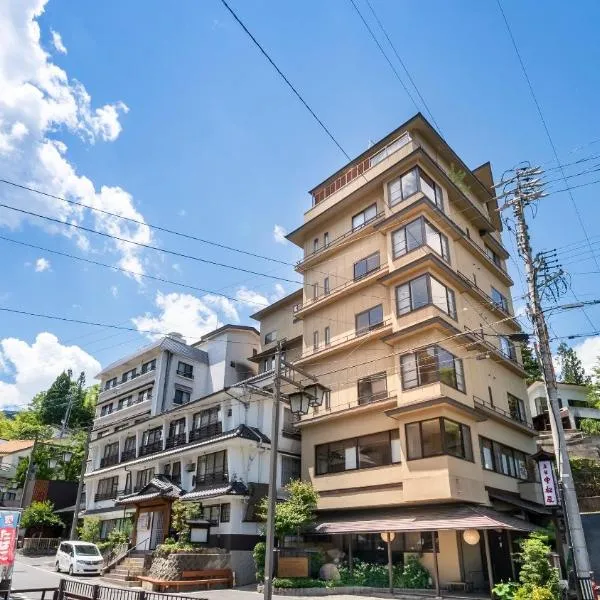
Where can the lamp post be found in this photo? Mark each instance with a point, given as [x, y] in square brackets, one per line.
[388, 537]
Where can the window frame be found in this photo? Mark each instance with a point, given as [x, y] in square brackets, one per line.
[495, 449]
[148, 366]
[419, 383]
[271, 336]
[465, 435]
[437, 200]
[363, 214]
[371, 326]
[185, 369]
[327, 336]
[450, 296]
[181, 392]
[502, 302]
[424, 222]
[373, 397]
[393, 435]
[367, 271]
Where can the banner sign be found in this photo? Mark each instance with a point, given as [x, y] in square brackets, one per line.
[9, 525]
[549, 490]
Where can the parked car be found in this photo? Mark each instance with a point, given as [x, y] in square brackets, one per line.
[79, 558]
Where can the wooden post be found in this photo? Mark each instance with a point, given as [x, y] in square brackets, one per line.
[488, 558]
[435, 565]
[510, 553]
[390, 565]
[350, 566]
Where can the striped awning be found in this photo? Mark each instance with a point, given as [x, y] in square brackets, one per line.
[423, 518]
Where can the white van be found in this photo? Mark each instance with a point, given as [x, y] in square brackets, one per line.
[79, 558]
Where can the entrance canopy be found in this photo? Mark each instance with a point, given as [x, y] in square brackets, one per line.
[421, 518]
[159, 487]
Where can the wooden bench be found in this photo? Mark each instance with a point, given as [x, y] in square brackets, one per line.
[206, 577]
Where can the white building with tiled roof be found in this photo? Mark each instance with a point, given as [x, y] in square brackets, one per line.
[173, 422]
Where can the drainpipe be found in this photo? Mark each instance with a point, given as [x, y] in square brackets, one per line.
[166, 382]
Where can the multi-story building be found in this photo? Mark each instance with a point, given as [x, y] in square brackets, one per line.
[172, 423]
[572, 400]
[406, 316]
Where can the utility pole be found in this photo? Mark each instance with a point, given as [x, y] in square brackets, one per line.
[272, 500]
[86, 449]
[527, 189]
[29, 472]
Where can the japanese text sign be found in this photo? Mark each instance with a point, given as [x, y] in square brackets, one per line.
[548, 481]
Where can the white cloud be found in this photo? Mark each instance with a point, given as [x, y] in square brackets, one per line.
[279, 234]
[32, 368]
[176, 267]
[251, 298]
[225, 305]
[38, 104]
[41, 265]
[589, 352]
[114, 290]
[181, 313]
[278, 293]
[57, 42]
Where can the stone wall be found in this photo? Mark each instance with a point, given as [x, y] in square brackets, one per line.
[242, 564]
[171, 567]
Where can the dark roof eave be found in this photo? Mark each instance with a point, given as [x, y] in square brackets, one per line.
[257, 316]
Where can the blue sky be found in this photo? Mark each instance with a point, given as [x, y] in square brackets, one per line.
[195, 132]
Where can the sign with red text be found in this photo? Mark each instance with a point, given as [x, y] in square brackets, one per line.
[549, 489]
[9, 526]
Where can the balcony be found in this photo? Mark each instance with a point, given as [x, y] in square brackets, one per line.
[209, 479]
[509, 417]
[128, 455]
[110, 495]
[208, 431]
[109, 461]
[175, 440]
[151, 448]
[126, 386]
[499, 307]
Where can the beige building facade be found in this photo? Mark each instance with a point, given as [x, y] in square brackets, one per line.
[406, 317]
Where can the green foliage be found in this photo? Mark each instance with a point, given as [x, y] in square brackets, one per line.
[593, 395]
[316, 560]
[536, 571]
[571, 367]
[590, 426]
[298, 582]
[297, 512]
[531, 364]
[120, 536]
[457, 176]
[25, 425]
[586, 475]
[259, 554]
[173, 547]
[505, 590]
[90, 530]
[535, 592]
[414, 574]
[181, 513]
[40, 514]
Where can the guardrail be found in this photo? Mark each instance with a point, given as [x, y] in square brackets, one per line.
[40, 545]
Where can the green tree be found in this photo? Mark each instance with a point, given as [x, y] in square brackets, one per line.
[538, 579]
[531, 364]
[181, 513]
[571, 368]
[297, 512]
[40, 514]
[593, 395]
[89, 531]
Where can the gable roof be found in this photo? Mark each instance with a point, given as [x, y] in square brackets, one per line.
[160, 486]
[12, 446]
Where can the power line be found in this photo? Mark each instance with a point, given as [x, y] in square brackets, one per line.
[149, 225]
[389, 62]
[148, 246]
[395, 51]
[287, 81]
[545, 125]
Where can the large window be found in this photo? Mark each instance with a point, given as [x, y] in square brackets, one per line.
[410, 183]
[212, 468]
[107, 488]
[503, 459]
[422, 291]
[435, 437]
[372, 388]
[152, 437]
[419, 232]
[206, 423]
[499, 300]
[369, 319]
[516, 406]
[374, 450]
[290, 469]
[364, 217]
[149, 366]
[430, 365]
[143, 478]
[366, 265]
[181, 396]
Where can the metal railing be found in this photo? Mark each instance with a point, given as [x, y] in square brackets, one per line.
[40, 545]
[128, 454]
[488, 405]
[208, 431]
[111, 495]
[502, 307]
[151, 448]
[210, 478]
[109, 461]
[175, 440]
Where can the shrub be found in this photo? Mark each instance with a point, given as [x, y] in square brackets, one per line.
[590, 426]
[181, 513]
[535, 568]
[536, 592]
[163, 550]
[505, 590]
[298, 582]
[90, 530]
[414, 574]
[316, 561]
[40, 514]
[259, 554]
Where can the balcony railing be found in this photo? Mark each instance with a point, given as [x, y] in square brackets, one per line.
[290, 431]
[489, 405]
[207, 479]
[173, 441]
[109, 461]
[128, 454]
[208, 431]
[122, 386]
[186, 374]
[501, 306]
[110, 495]
[151, 448]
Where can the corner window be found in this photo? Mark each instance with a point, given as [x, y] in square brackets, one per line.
[435, 437]
[422, 291]
[376, 450]
[364, 217]
[431, 365]
[507, 348]
[419, 232]
[493, 257]
[372, 388]
[366, 265]
[516, 406]
[185, 370]
[503, 459]
[499, 299]
[369, 319]
[271, 337]
[416, 180]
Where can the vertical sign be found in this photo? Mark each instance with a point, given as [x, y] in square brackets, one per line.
[9, 524]
[549, 490]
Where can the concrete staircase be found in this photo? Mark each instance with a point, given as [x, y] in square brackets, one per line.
[125, 573]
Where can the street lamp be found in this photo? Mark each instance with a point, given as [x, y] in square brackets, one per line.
[53, 462]
[299, 403]
[316, 393]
